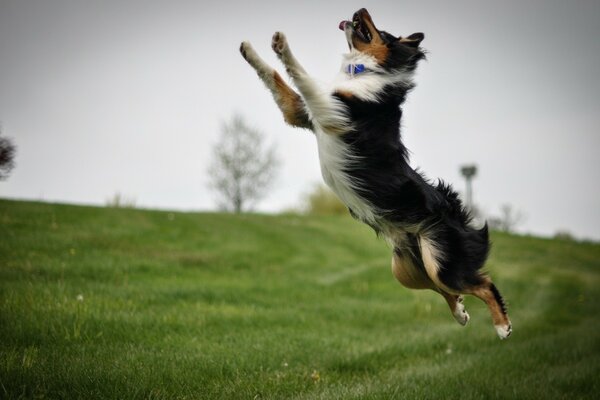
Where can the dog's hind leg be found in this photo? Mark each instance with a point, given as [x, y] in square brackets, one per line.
[484, 289]
[408, 272]
[327, 111]
[411, 274]
[488, 292]
[289, 102]
[455, 302]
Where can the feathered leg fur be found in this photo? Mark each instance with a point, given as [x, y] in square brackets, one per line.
[289, 102]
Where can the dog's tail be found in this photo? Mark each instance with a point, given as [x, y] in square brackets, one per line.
[471, 246]
[453, 205]
[477, 245]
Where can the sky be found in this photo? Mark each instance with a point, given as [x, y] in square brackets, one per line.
[105, 97]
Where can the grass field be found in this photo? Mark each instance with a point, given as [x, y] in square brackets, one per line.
[131, 304]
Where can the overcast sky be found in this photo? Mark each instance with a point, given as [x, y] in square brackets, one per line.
[127, 96]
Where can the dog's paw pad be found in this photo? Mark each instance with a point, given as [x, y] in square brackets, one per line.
[460, 314]
[279, 42]
[503, 331]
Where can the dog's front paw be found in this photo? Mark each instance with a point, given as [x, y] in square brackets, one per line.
[252, 57]
[279, 43]
[246, 48]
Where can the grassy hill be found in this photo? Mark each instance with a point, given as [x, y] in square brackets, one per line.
[120, 303]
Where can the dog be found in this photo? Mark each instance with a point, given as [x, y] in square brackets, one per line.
[356, 123]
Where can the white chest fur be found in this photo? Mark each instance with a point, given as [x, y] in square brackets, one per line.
[336, 157]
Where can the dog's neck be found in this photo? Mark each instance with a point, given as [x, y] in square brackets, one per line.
[356, 62]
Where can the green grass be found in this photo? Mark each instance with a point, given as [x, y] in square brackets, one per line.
[128, 304]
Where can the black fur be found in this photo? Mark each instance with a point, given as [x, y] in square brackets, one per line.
[498, 298]
[401, 54]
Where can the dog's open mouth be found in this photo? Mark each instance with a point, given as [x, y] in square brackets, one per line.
[359, 27]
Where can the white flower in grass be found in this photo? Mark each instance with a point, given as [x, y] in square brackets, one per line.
[79, 297]
[315, 376]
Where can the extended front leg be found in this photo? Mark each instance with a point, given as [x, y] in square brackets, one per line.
[328, 112]
[289, 102]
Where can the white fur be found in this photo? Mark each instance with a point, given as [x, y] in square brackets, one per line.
[335, 157]
[327, 113]
[503, 331]
[431, 255]
[368, 85]
[263, 70]
[460, 314]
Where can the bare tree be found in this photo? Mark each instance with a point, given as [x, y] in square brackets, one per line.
[243, 169]
[7, 156]
[508, 219]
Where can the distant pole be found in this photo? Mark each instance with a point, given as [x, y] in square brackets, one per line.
[469, 171]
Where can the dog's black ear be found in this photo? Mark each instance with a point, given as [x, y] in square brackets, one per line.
[413, 40]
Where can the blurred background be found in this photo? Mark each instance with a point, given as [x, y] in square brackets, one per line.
[124, 101]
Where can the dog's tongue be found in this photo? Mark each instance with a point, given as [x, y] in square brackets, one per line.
[343, 25]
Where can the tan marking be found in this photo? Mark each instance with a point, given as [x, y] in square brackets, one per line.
[345, 94]
[376, 48]
[378, 51]
[431, 255]
[290, 103]
[407, 40]
[408, 274]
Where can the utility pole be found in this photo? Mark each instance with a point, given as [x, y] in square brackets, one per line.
[469, 171]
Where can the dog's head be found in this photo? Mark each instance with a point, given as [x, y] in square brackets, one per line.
[388, 50]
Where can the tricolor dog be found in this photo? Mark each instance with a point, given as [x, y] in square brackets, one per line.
[356, 122]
